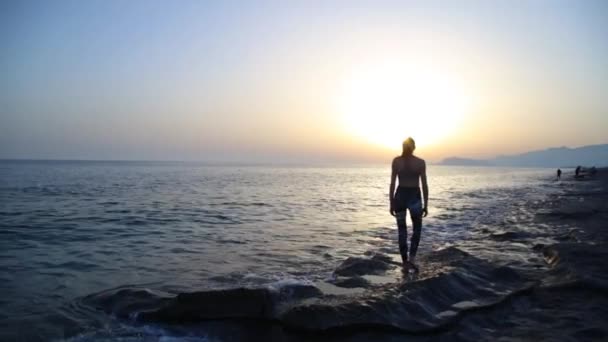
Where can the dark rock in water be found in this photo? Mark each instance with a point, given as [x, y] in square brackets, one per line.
[125, 302]
[361, 266]
[571, 235]
[418, 307]
[448, 255]
[248, 303]
[538, 247]
[218, 304]
[378, 256]
[351, 282]
[577, 265]
[383, 258]
[506, 236]
[298, 291]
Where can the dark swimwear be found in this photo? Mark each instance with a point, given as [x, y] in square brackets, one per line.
[405, 173]
[408, 198]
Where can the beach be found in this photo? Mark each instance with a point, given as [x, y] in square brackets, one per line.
[455, 297]
[219, 171]
[512, 255]
[568, 300]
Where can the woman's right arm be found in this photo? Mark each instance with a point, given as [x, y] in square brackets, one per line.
[425, 190]
[391, 189]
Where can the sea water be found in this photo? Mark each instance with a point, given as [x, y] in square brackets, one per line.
[72, 228]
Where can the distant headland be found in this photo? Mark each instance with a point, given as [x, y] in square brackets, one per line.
[596, 155]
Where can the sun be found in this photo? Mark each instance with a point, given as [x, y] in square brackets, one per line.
[388, 102]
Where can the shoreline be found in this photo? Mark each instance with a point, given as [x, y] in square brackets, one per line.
[522, 267]
[456, 295]
[570, 300]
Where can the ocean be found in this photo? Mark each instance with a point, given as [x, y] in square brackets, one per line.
[73, 229]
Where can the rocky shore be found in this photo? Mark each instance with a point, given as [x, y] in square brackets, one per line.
[456, 295]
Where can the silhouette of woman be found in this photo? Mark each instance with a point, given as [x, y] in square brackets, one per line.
[410, 171]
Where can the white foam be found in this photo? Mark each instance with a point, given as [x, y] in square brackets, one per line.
[127, 333]
[286, 282]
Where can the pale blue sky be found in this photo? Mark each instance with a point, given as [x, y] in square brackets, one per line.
[253, 81]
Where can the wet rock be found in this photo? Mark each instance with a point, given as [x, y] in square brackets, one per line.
[538, 247]
[383, 258]
[577, 265]
[362, 266]
[219, 304]
[351, 282]
[125, 302]
[506, 236]
[418, 307]
[297, 291]
[570, 236]
[447, 255]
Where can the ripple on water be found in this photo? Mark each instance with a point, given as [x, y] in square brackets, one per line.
[100, 226]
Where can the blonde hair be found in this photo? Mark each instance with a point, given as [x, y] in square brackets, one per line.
[409, 145]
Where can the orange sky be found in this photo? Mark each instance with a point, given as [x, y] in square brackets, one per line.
[301, 82]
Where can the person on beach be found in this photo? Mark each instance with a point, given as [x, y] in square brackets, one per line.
[559, 174]
[410, 171]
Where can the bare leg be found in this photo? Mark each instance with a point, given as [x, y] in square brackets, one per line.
[417, 223]
[402, 227]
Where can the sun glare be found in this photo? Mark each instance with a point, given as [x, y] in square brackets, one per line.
[386, 103]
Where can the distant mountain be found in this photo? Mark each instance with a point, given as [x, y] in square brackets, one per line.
[593, 155]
